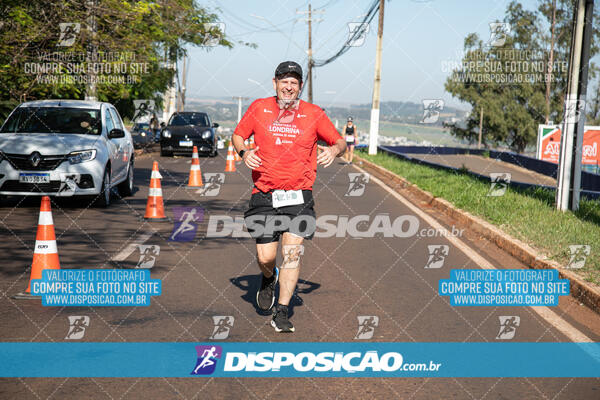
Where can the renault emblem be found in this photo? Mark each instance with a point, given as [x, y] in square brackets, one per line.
[35, 159]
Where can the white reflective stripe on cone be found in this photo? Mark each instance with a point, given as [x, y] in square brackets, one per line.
[230, 157]
[155, 175]
[195, 155]
[45, 247]
[45, 218]
[195, 167]
[155, 192]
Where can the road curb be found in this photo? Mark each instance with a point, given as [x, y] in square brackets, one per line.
[585, 292]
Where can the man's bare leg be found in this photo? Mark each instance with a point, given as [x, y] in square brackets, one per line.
[290, 268]
[266, 254]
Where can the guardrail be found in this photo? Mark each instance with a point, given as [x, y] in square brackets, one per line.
[590, 183]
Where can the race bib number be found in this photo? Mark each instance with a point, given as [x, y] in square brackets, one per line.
[350, 139]
[282, 198]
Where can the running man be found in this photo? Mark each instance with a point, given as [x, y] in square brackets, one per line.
[350, 135]
[284, 168]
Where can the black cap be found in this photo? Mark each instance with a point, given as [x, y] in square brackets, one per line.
[288, 67]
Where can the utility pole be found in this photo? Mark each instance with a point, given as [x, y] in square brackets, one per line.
[310, 93]
[480, 127]
[310, 53]
[568, 186]
[92, 50]
[182, 86]
[374, 128]
[239, 99]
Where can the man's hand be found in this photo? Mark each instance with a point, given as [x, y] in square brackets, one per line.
[327, 155]
[251, 160]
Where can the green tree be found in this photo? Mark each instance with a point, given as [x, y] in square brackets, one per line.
[150, 34]
[517, 97]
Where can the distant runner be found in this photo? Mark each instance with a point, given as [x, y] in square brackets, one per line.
[284, 168]
[350, 133]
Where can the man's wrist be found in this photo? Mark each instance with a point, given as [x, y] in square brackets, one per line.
[241, 153]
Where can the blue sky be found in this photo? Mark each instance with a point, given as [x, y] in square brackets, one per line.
[419, 37]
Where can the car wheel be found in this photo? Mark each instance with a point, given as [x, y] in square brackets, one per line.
[103, 198]
[126, 187]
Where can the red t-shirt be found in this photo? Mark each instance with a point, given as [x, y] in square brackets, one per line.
[287, 147]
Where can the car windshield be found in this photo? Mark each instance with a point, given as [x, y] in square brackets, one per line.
[189, 119]
[53, 120]
[140, 126]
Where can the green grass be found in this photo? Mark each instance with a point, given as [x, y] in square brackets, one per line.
[528, 215]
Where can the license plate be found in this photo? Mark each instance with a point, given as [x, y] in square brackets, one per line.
[34, 178]
[186, 143]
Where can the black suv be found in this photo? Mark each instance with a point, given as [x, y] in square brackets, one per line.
[186, 130]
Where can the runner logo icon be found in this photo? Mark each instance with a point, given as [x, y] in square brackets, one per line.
[431, 110]
[68, 33]
[185, 223]
[366, 326]
[437, 255]
[358, 183]
[207, 359]
[500, 181]
[579, 253]
[223, 324]
[77, 325]
[213, 183]
[148, 254]
[508, 327]
[498, 33]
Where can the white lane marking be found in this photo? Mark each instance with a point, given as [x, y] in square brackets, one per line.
[131, 247]
[545, 312]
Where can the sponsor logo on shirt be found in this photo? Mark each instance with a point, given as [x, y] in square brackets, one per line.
[267, 111]
[284, 129]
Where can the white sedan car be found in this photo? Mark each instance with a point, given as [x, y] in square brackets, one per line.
[66, 148]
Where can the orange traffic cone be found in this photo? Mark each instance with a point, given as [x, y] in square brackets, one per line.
[45, 254]
[195, 180]
[155, 208]
[252, 145]
[230, 165]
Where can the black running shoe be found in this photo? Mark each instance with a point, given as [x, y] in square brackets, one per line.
[280, 320]
[265, 297]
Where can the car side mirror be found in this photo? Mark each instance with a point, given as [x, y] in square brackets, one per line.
[215, 125]
[116, 133]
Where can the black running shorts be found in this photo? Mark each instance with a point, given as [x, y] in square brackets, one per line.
[266, 224]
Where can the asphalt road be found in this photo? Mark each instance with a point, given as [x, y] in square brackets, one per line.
[341, 279]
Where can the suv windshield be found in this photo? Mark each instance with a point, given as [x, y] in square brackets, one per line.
[53, 120]
[189, 119]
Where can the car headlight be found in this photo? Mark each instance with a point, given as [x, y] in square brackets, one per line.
[78, 157]
[206, 134]
[166, 133]
[143, 134]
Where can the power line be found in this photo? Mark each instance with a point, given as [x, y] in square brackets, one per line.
[356, 34]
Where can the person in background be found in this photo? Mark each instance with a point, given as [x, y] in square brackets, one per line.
[350, 133]
[154, 128]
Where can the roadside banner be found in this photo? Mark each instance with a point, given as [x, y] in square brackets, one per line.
[548, 144]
